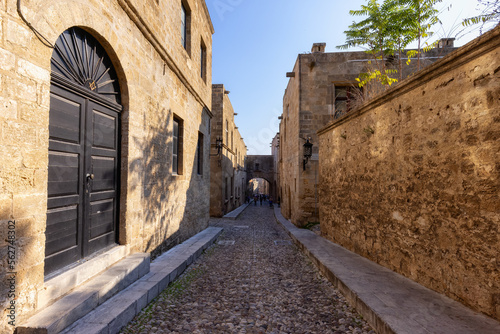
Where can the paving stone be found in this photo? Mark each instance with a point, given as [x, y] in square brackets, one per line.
[252, 286]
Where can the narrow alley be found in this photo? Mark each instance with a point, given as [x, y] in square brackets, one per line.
[253, 280]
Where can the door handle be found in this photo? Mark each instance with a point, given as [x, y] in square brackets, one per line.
[90, 176]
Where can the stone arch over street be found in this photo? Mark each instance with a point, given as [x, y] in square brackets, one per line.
[262, 167]
[259, 186]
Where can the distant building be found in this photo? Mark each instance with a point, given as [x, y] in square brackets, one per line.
[228, 179]
[322, 87]
[275, 152]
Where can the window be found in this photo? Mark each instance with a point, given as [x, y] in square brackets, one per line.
[185, 26]
[199, 154]
[227, 133]
[177, 146]
[203, 61]
[344, 98]
[232, 186]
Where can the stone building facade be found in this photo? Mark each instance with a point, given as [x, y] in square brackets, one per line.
[411, 179]
[105, 121]
[322, 86]
[228, 176]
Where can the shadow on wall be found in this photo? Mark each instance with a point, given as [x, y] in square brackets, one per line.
[21, 251]
[169, 203]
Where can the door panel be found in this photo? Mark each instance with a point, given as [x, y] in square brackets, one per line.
[104, 130]
[62, 228]
[102, 156]
[102, 213]
[104, 174]
[65, 119]
[63, 243]
[63, 174]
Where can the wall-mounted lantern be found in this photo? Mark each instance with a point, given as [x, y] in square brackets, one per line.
[307, 152]
[218, 146]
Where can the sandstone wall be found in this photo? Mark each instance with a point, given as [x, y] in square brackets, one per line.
[158, 79]
[228, 175]
[289, 146]
[411, 179]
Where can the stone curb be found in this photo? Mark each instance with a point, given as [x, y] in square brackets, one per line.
[390, 302]
[236, 212]
[118, 311]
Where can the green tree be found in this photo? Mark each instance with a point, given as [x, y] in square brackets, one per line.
[372, 33]
[421, 16]
[388, 28]
[400, 30]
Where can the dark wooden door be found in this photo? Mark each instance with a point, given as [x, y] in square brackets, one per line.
[83, 178]
[84, 123]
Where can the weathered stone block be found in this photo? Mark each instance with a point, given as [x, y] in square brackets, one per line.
[17, 180]
[28, 205]
[17, 134]
[11, 158]
[35, 158]
[17, 33]
[22, 90]
[8, 108]
[8, 60]
[32, 71]
[31, 112]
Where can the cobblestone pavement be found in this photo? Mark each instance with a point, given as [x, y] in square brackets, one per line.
[254, 280]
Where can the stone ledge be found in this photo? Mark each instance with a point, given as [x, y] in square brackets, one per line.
[236, 212]
[391, 303]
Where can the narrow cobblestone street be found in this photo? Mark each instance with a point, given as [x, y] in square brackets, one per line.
[254, 280]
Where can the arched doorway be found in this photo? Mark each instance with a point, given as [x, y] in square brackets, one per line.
[84, 129]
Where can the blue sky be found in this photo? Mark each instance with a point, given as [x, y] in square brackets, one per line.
[256, 42]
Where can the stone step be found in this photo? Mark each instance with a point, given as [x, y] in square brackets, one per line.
[118, 311]
[86, 297]
[62, 284]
